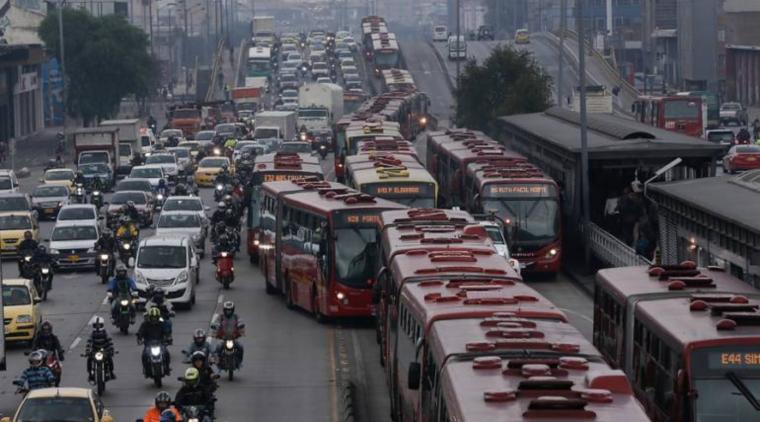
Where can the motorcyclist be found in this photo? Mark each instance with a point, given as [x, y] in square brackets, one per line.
[223, 244]
[121, 286]
[152, 331]
[48, 341]
[232, 204]
[230, 143]
[106, 244]
[37, 375]
[129, 210]
[180, 190]
[162, 188]
[26, 247]
[200, 343]
[99, 341]
[79, 178]
[158, 300]
[208, 378]
[743, 136]
[127, 230]
[220, 213]
[41, 256]
[224, 176]
[137, 159]
[97, 185]
[191, 186]
[229, 325]
[152, 124]
[162, 403]
[192, 393]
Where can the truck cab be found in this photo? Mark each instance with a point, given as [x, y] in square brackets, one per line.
[457, 47]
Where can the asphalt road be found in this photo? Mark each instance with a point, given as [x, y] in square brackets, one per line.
[426, 69]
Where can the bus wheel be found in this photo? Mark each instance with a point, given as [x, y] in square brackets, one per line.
[319, 316]
[288, 295]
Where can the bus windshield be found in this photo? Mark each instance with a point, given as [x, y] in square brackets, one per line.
[355, 249]
[532, 219]
[722, 399]
[681, 109]
[386, 60]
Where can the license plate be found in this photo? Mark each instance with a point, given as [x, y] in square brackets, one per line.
[73, 258]
[49, 210]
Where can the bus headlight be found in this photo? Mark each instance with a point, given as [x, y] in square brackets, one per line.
[552, 253]
[423, 120]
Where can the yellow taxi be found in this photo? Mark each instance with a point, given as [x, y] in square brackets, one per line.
[522, 36]
[12, 228]
[209, 167]
[59, 404]
[21, 315]
[63, 177]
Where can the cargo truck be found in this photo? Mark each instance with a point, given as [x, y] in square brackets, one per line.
[275, 124]
[97, 145]
[129, 141]
[262, 29]
[319, 106]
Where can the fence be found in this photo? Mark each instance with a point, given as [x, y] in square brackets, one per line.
[611, 250]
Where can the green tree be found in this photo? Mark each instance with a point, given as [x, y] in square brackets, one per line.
[106, 60]
[508, 82]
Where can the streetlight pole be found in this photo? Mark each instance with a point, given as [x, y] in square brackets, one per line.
[458, 45]
[561, 74]
[64, 95]
[584, 126]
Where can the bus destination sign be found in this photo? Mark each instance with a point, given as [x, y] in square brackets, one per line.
[734, 359]
[356, 219]
[520, 190]
[280, 177]
[400, 190]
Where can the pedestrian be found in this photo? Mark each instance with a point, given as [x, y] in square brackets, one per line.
[630, 211]
[612, 213]
[756, 128]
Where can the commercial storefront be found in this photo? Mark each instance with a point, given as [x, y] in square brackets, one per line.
[21, 97]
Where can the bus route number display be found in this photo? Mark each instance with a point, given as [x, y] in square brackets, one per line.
[520, 190]
[361, 219]
[282, 177]
[398, 190]
[735, 360]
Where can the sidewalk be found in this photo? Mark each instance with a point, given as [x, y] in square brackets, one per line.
[37, 149]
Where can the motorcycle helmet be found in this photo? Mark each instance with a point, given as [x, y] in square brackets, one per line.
[228, 309]
[192, 376]
[227, 199]
[198, 357]
[27, 235]
[163, 400]
[46, 327]
[224, 167]
[121, 270]
[167, 416]
[42, 249]
[79, 175]
[180, 189]
[221, 205]
[107, 233]
[98, 324]
[199, 337]
[130, 204]
[154, 314]
[159, 295]
[35, 359]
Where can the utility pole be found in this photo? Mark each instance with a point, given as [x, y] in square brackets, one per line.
[64, 95]
[561, 74]
[458, 45]
[150, 22]
[584, 125]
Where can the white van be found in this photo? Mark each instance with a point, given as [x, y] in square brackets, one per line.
[440, 33]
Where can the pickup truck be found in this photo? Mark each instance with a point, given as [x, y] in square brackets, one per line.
[733, 113]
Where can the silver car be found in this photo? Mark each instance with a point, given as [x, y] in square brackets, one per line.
[48, 200]
[184, 159]
[187, 223]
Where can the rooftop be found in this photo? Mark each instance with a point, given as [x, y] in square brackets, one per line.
[427, 265]
[720, 197]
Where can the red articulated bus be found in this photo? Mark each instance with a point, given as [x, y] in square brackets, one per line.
[512, 366]
[688, 338]
[527, 201]
[676, 113]
[325, 244]
[272, 168]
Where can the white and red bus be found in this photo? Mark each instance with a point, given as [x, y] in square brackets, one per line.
[528, 203]
[385, 51]
[273, 168]
[676, 113]
[403, 179]
[687, 337]
[325, 244]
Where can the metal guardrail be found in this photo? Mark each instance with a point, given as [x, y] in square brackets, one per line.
[611, 250]
[215, 71]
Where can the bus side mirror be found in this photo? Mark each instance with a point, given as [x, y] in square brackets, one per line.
[413, 376]
[377, 289]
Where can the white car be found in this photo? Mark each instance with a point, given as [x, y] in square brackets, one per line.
[324, 80]
[186, 203]
[347, 61]
[72, 244]
[187, 223]
[153, 173]
[168, 133]
[78, 214]
[496, 233]
[167, 160]
[184, 159]
[8, 181]
[147, 140]
[168, 262]
[351, 43]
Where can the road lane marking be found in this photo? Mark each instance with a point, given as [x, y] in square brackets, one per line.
[105, 300]
[220, 299]
[75, 343]
[333, 375]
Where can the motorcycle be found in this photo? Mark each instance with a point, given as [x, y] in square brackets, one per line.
[228, 357]
[322, 149]
[195, 413]
[50, 359]
[126, 250]
[96, 198]
[27, 268]
[225, 270]
[125, 314]
[105, 269]
[43, 279]
[156, 362]
[99, 372]
[80, 195]
[218, 192]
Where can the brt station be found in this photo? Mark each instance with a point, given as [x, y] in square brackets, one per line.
[713, 222]
[623, 155]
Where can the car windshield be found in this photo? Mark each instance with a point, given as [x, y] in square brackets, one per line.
[182, 205]
[748, 149]
[172, 132]
[318, 66]
[295, 147]
[181, 152]
[15, 203]
[45, 191]
[125, 150]
[721, 400]
[205, 135]
[77, 213]
[533, 220]
[162, 257]
[65, 233]
[160, 159]
[290, 93]
[56, 409]
[243, 144]
[212, 162]
[355, 255]
[226, 128]
[726, 136]
[93, 168]
[15, 222]
[145, 141]
[184, 114]
[121, 198]
[93, 157]
[59, 175]
[170, 221]
[682, 109]
[312, 112]
[731, 107]
[142, 185]
[146, 173]
[16, 296]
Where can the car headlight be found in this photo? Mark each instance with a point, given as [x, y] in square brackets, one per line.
[140, 278]
[552, 253]
[182, 277]
[192, 420]
[229, 344]
[52, 251]
[98, 355]
[24, 319]
[155, 350]
[28, 258]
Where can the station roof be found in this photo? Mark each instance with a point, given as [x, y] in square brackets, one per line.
[607, 134]
[732, 198]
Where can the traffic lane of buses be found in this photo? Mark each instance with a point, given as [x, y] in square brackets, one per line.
[280, 378]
